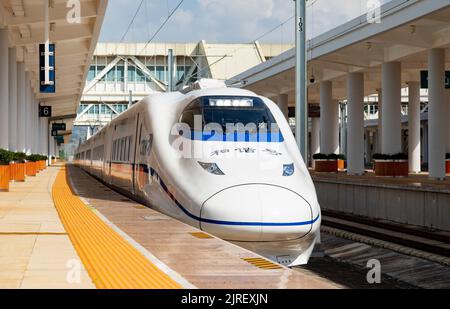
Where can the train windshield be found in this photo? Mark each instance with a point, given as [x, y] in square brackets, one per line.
[230, 113]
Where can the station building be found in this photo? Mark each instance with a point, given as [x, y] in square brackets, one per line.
[123, 73]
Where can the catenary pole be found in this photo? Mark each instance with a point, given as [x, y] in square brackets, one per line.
[301, 105]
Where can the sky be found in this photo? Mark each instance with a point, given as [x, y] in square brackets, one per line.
[223, 21]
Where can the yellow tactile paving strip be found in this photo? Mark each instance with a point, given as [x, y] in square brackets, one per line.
[110, 260]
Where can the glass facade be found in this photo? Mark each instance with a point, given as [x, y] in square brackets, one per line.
[102, 109]
[135, 75]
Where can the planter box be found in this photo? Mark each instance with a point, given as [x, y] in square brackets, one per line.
[17, 172]
[391, 168]
[42, 165]
[326, 166]
[4, 178]
[31, 168]
[447, 166]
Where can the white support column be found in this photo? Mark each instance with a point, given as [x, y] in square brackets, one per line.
[4, 89]
[414, 127]
[12, 100]
[33, 123]
[437, 118]
[329, 120]
[355, 93]
[425, 144]
[367, 147]
[41, 136]
[36, 123]
[21, 108]
[44, 130]
[380, 120]
[391, 108]
[283, 104]
[28, 112]
[315, 136]
[447, 92]
[51, 144]
[343, 128]
[375, 143]
[45, 134]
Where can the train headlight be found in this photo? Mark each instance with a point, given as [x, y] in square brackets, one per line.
[212, 168]
[231, 102]
[288, 170]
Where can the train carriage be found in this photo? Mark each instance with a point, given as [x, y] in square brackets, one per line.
[220, 159]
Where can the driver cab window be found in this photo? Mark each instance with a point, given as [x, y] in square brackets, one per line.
[229, 111]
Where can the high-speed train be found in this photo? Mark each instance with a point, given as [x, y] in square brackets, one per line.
[223, 160]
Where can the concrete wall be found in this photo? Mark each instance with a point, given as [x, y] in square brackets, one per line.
[425, 208]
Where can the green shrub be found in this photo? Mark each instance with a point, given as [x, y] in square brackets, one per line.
[320, 156]
[6, 157]
[400, 156]
[447, 156]
[395, 157]
[36, 158]
[332, 156]
[19, 157]
[33, 158]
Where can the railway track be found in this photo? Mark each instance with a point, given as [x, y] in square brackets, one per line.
[408, 236]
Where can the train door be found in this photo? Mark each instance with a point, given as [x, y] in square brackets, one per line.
[136, 160]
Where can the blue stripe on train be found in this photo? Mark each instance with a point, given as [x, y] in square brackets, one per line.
[154, 173]
[238, 137]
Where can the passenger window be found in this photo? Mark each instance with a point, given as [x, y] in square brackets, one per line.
[116, 154]
[129, 148]
[122, 150]
[125, 150]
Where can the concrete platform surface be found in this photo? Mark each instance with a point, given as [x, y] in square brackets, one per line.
[35, 250]
[204, 262]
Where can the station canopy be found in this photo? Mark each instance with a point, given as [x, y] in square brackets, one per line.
[407, 30]
[74, 43]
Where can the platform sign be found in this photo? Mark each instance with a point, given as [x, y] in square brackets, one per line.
[58, 127]
[424, 79]
[50, 88]
[59, 139]
[45, 111]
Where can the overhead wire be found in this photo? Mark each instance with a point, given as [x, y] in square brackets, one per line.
[132, 21]
[241, 47]
[171, 13]
[311, 4]
[161, 26]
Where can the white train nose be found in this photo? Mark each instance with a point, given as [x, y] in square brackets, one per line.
[257, 212]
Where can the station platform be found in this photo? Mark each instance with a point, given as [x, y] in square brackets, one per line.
[64, 229]
[416, 182]
[416, 200]
[35, 249]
